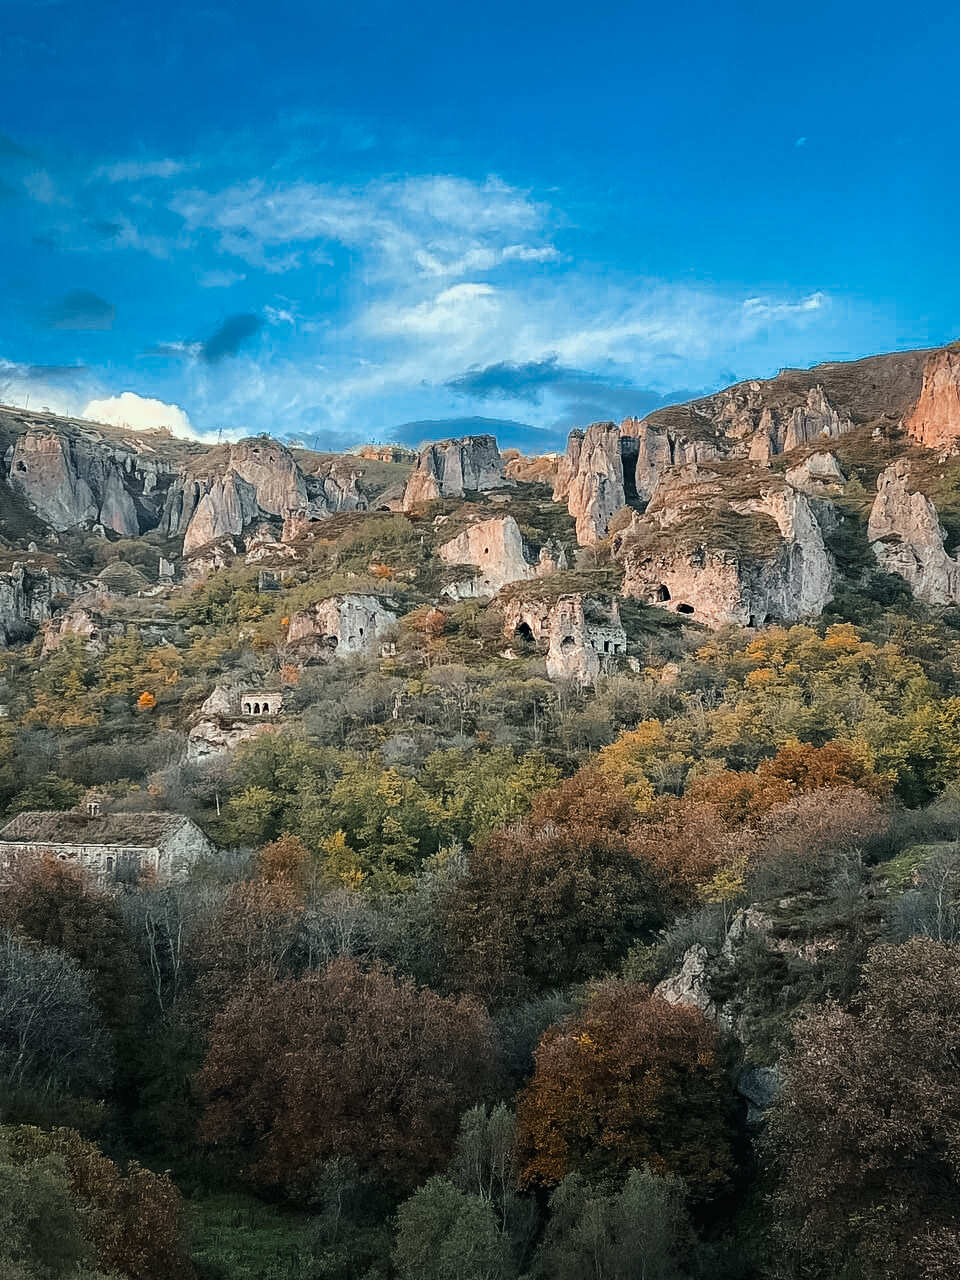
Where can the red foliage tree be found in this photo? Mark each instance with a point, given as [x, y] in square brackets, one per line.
[345, 1062]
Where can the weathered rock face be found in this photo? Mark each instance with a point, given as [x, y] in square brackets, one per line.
[935, 422]
[69, 482]
[691, 985]
[498, 550]
[582, 635]
[658, 450]
[341, 625]
[451, 468]
[744, 554]
[26, 597]
[590, 478]
[817, 475]
[222, 510]
[907, 539]
[83, 619]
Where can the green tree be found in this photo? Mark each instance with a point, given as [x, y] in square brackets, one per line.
[639, 1232]
[447, 1234]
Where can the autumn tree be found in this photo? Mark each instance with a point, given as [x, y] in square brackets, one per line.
[865, 1140]
[131, 1216]
[630, 1081]
[53, 904]
[342, 1063]
[543, 905]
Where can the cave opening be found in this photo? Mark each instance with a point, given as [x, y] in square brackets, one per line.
[684, 608]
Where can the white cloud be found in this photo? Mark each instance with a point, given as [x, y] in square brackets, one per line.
[138, 170]
[461, 311]
[433, 225]
[140, 413]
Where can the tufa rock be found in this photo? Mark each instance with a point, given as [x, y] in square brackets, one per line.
[590, 478]
[907, 539]
[582, 635]
[744, 553]
[26, 601]
[498, 549]
[340, 625]
[451, 468]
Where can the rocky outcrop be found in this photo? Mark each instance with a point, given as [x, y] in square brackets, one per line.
[691, 984]
[581, 635]
[817, 475]
[935, 421]
[498, 550]
[907, 539]
[452, 468]
[26, 601]
[590, 478]
[341, 625]
[657, 450]
[69, 481]
[83, 619]
[721, 552]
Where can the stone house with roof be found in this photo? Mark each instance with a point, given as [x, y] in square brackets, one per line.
[110, 847]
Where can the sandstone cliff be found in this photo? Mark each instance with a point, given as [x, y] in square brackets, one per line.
[451, 468]
[935, 421]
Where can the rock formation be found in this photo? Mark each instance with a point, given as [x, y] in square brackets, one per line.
[817, 475]
[498, 550]
[935, 421]
[69, 481]
[907, 539]
[26, 600]
[691, 984]
[451, 468]
[745, 553]
[582, 635]
[344, 624]
[590, 478]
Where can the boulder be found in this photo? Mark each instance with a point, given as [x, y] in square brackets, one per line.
[817, 474]
[691, 985]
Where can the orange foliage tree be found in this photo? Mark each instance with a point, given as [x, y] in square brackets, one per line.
[630, 1081]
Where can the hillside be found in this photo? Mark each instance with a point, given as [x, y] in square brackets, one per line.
[465, 865]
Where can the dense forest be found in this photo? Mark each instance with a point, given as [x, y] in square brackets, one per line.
[493, 976]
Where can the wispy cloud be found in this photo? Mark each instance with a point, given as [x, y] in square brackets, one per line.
[140, 170]
[434, 225]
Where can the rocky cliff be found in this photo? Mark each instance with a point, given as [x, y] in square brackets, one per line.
[935, 421]
[451, 468]
[727, 543]
[907, 539]
[498, 550]
[590, 478]
[341, 625]
[27, 597]
[580, 635]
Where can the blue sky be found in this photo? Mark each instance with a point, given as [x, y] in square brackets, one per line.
[330, 221]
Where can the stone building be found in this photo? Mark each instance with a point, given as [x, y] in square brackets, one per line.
[582, 635]
[110, 847]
